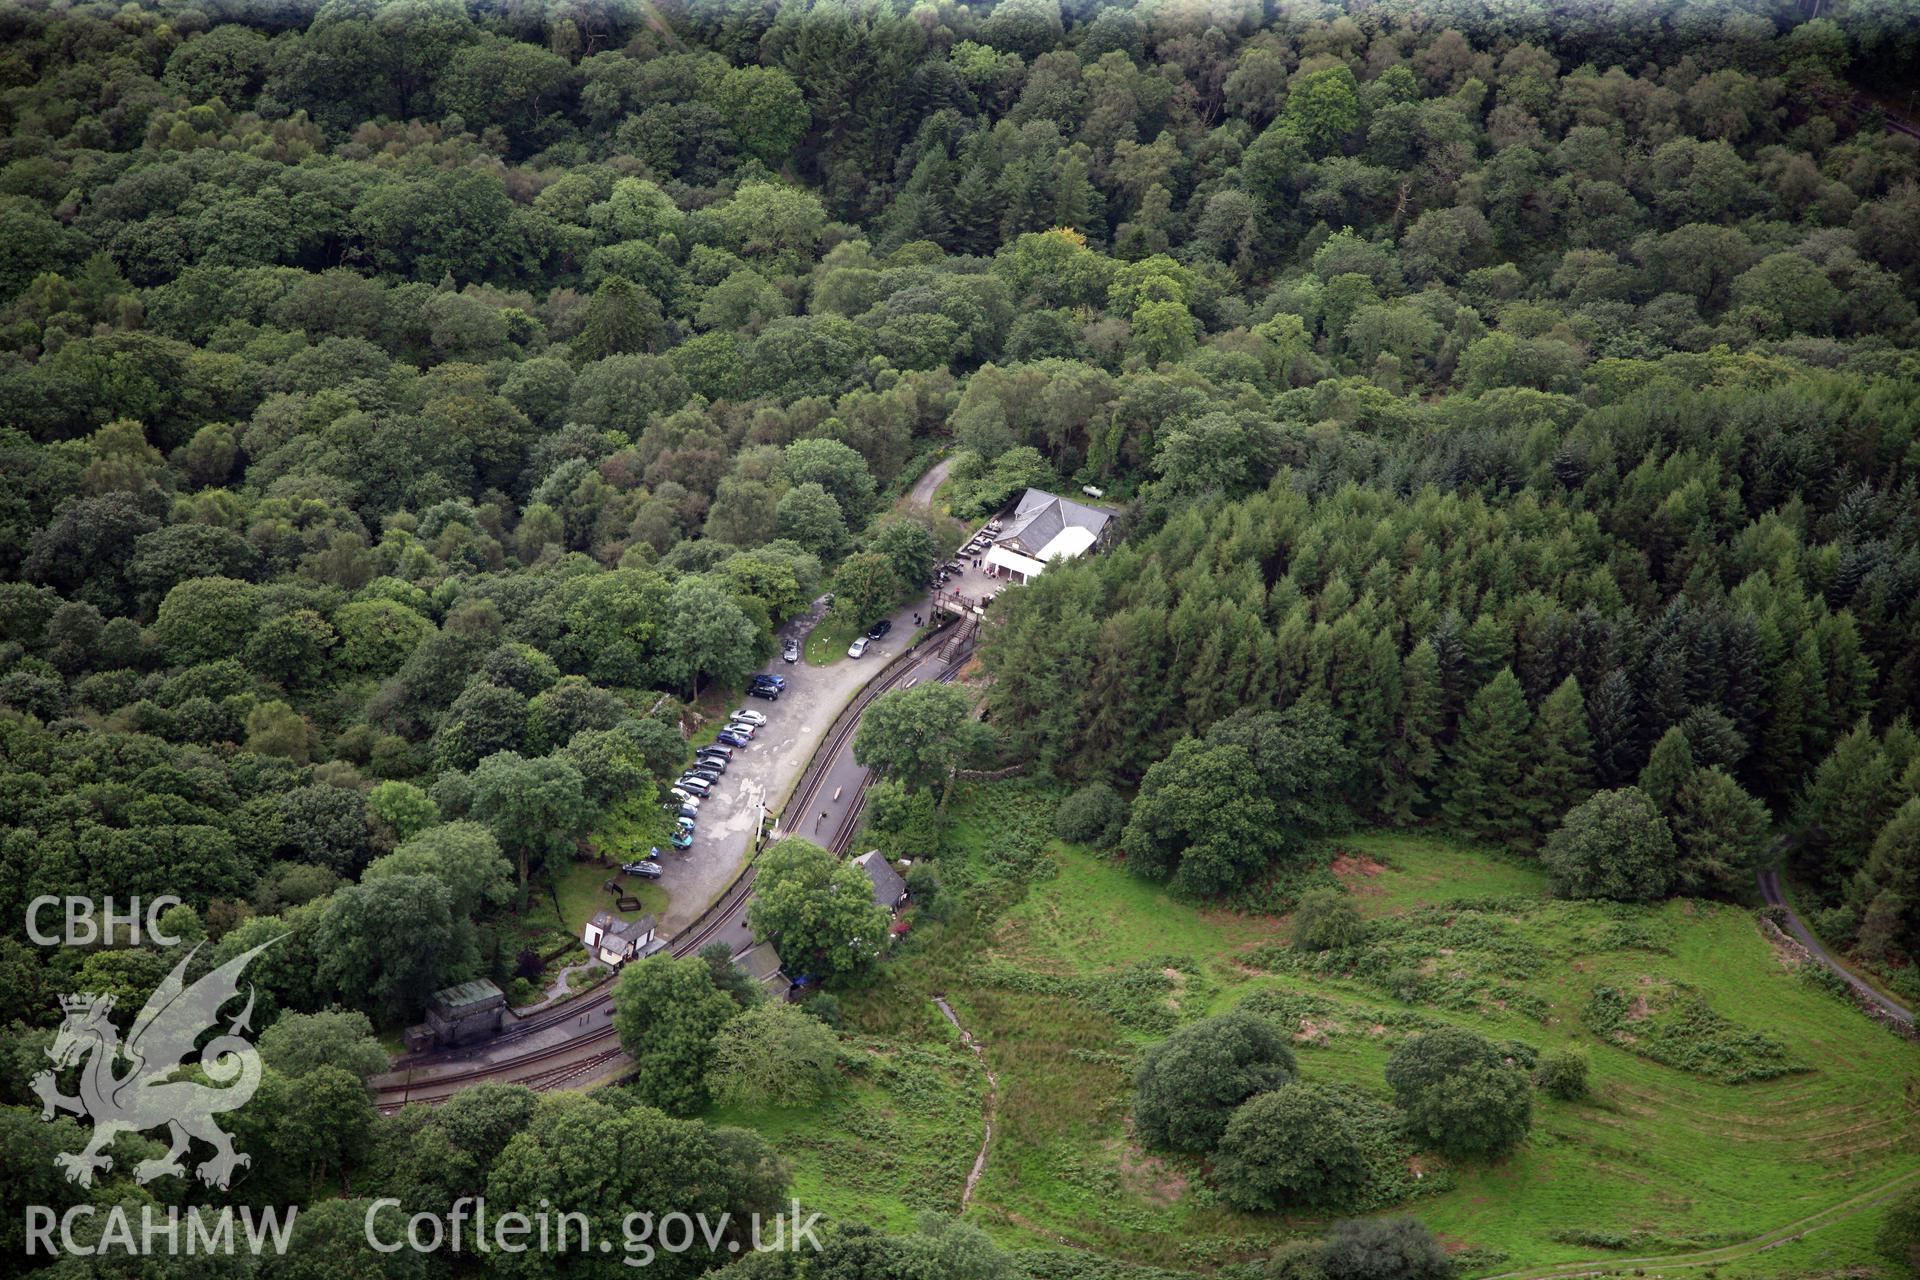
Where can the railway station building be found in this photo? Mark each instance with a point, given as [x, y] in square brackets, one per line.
[613, 941]
[1044, 527]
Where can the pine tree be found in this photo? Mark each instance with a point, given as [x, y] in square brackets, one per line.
[1850, 795]
[974, 211]
[1669, 768]
[1782, 759]
[1559, 755]
[1365, 681]
[1450, 656]
[1719, 831]
[1486, 769]
[1886, 893]
[1746, 678]
[1613, 718]
[1489, 647]
[1412, 759]
[1075, 201]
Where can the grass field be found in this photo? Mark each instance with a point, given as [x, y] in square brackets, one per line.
[884, 1149]
[827, 643]
[581, 893]
[1070, 967]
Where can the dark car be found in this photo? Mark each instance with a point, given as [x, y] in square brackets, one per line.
[880, 628]
[708, 764]
[790, 651]
[766, 691]
[718, 753]
[733, 739]
[645, 870]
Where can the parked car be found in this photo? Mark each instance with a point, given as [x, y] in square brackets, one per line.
[705, 773]
[645, 870]
[766, 691]
[683, 837]
[880, 628]
[732, 739]
[790, 650]
[689, 802]
[695, 783]
[687, 809]
[858, 647]
[715, 751]
[751, 717]
[763, 677]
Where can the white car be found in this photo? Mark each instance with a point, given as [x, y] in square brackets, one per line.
[753, 718]
[858, 647]
[686, 797]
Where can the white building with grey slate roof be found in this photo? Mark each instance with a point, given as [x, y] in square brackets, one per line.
[1045, 527]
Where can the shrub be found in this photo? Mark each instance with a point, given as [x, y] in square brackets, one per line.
[823, 1005]
[1294, 1260]
[1327, 920]
[1905, 983]
[1563, 1074]
[1616, 845]
[1296, 1145]
[1837, 925]
[774, 1054]
[1383, 1249]
[1899, 1237]
[1459, 1093]
[1095, 815]
[923, 886]
[1191, 1082]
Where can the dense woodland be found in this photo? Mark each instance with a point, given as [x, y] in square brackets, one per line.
[407, 408]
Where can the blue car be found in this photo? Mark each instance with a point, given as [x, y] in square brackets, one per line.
[732, 739]
[777, 682]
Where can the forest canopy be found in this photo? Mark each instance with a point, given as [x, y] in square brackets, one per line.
[407, 406]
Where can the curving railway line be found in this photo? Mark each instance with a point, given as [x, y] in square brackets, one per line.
[593, 1049]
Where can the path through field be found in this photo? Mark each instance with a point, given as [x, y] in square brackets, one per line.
[1674, 1263]
[993, 1093]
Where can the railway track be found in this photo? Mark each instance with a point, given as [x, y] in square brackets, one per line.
[584, 1055]
[850, 820]
[954, 651]
[559, 1064]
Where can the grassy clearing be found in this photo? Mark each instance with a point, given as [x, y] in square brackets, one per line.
[1066, 967]
[895, 1141]
[827, 643]
[580, 892]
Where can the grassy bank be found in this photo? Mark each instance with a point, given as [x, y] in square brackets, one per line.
[1730, 1095]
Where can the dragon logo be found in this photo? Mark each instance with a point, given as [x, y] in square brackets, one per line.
[144, 1095]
